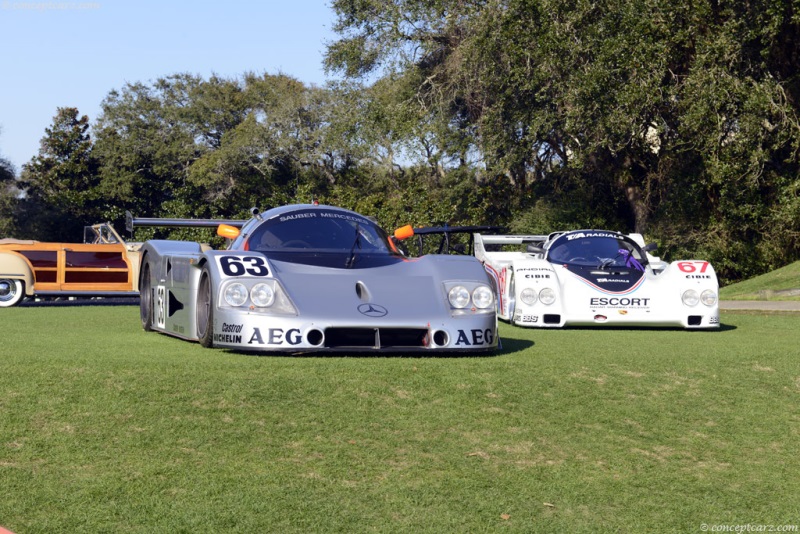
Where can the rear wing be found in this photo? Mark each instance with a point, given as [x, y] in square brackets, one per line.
[534, 244]
[512, 239]
[446, 246]
[132, 222]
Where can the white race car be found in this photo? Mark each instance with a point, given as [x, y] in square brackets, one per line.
[596, 277]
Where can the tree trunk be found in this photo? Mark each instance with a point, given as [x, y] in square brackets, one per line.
[635, 197]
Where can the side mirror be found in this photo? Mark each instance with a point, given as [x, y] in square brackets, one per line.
[404, 232]
[227, 231]
[533, 249]
[650, 247]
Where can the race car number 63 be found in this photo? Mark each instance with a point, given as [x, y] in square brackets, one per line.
[243, 266]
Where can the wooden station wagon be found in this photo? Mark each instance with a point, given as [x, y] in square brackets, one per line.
[103, 265]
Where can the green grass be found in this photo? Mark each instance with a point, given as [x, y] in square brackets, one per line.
[774, 285]
[106, 428]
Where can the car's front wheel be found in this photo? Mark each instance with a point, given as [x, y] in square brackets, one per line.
[205, 311]
[12, 292]
[146, 299]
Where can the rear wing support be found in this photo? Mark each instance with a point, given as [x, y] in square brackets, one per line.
[445, 246]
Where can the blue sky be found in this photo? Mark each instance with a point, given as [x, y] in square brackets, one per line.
[71, 54]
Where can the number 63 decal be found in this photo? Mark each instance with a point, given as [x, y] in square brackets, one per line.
[243, 265]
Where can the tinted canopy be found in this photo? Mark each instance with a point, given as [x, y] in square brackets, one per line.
[596, 249]
[320, 230]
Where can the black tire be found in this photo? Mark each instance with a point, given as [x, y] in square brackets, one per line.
[204, 310]
[146, 298]
[12, 291]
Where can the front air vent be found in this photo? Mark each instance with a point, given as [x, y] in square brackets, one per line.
[551, 319]
[315, 337]
[377, 338]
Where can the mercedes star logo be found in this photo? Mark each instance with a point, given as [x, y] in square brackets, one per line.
[373, 310]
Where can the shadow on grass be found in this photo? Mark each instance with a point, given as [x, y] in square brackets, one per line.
[371, 354]
[59, 302]
[507, 346]
[700, 331]
[512, 345]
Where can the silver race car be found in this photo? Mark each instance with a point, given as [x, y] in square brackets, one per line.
[313, 278]
[596, 277]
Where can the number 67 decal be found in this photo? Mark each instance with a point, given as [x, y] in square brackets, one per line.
[243, 265]
[693, 266]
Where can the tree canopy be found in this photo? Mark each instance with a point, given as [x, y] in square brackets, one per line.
[673, 119]
[60, 183]
[676, 120]
[8, 194]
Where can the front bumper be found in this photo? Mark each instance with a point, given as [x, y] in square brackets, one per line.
[245, 331]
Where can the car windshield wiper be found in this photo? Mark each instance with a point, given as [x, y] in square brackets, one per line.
[606, 262]
[351, 260]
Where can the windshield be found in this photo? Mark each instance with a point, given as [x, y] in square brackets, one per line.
[319, 230]
[99, 233]
[599, 250]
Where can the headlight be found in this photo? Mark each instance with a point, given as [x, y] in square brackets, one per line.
[547, 296]
[235, 294]
[528, 296]
[708, 297]
[458, 297]
[262, 295]
[482, 297]
[690, 297]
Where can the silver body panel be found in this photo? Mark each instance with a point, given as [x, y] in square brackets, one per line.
[398, 305]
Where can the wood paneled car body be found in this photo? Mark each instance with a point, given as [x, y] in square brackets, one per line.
[103, 265]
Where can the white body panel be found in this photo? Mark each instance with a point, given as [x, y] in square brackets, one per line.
[588, 297]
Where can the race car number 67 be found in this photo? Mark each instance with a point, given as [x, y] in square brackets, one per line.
[691, 266]
[243, 266]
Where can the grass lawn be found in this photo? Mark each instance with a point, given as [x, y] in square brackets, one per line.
[775, 285]
[106, 428]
